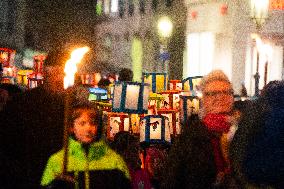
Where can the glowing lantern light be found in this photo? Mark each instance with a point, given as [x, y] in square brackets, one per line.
[158, 81]
[154, 129]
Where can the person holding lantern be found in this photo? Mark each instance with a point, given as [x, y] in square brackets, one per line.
[196, 159]
[32, 127]
[91, 162]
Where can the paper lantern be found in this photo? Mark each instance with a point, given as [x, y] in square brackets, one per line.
[104, 106]
[191, 83]
[117, 122]
[22, 76]
[130, 97]
[34, 80]
[154, 129]
[154, 103]
[98, 94]
[7, 57]
[189, 106]
[173, 118]
[176, 85]
[171, 100]
[158, 81]
[39, 63]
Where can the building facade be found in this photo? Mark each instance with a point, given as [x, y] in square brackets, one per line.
[221, 35]
[127, 36]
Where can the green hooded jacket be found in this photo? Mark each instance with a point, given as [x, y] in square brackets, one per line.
[100, 158]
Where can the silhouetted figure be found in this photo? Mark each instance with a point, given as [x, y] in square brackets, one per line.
[257, 149]
[125, 74]
[32, 127]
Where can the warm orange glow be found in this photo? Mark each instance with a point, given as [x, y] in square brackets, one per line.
[71, 66]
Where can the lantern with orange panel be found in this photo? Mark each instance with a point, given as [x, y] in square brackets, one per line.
[116, 122]
[7, 68]
[158, 81]
[176, 85]
[154, 103]
[131, 98]
[173, 117]
[171, 99]
[36, 78]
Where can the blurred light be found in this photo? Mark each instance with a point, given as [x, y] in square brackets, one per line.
[259, 11]
[165, 27]
[71, 66]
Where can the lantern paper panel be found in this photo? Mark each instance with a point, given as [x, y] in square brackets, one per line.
[22, 76]
[175, 85]
[189, 106]
[117, 122]
[154, 129]
[39, 63]
[158, 81]
[7, 57]
[173, 117]
[171, 99]
[34, 80]
[98, 94]
[192, 83]
[130, 97]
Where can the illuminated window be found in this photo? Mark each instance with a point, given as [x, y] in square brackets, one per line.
[114, 6]
[106, 6]
[199, 55]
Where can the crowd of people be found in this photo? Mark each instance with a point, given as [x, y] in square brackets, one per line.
[229, 144]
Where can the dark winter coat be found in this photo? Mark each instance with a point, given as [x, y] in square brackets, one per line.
[31, 130]
[191, 160]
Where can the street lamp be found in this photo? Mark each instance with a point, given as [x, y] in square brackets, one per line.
[259, 13]
[165, 28]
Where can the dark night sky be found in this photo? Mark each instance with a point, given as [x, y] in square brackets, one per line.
[54, 22]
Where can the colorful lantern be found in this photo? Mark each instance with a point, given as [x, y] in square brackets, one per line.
[7, 57]
[117, 122]
[173, 117]
[7, 65]
[171, 100]
[98, 94]
[158, 81]
[191, 83]
[130, 97]
[189, 106]
[176, 85]
[36, 78]
[104, 106]
[154, 103]
[154, 129]
[22, 76]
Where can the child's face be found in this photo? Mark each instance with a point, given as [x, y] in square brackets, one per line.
[84, 129]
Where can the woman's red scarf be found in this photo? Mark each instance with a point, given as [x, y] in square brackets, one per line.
[217, 124]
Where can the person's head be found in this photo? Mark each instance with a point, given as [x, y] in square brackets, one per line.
[154, 161]
[53, 69]
[127, 145]
[86, 124]
[217, 93]
[125, 74]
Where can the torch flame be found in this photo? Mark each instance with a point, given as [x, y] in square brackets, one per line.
[71, 66]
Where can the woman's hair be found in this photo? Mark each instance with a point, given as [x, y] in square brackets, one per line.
[215, 75]
[94, 114]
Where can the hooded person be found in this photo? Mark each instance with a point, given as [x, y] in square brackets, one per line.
[257, 150]
[91, 162]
